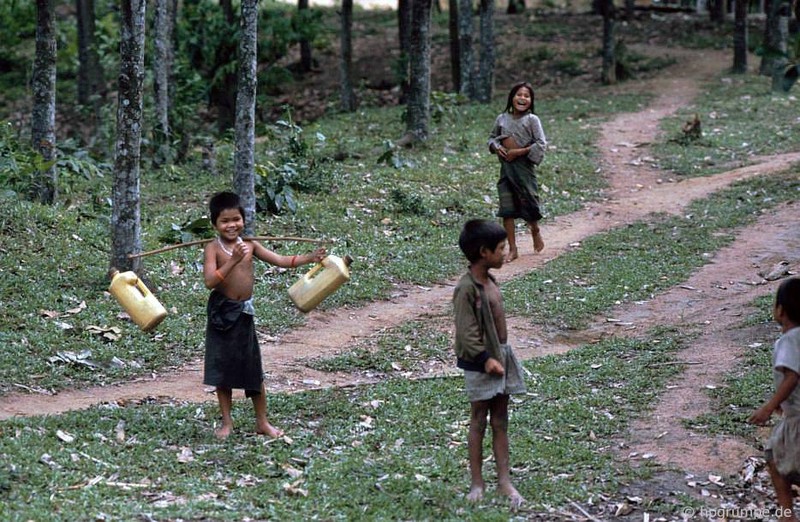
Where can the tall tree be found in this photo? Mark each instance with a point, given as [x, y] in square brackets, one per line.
[419, 96]
[716, 11]
[222, 92]
[245, 129]
[740, 37]
[455, 53]
[465, 49]
[162, 78]
[43, 116]
[346, 64]
[305, 44]
[484, 84]
[608, 74]
[515, 7]
[404, 38]
[776, 32]
[126, 212]
[90, 73]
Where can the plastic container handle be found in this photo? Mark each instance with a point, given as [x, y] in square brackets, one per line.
[141, 287]
[313, 271]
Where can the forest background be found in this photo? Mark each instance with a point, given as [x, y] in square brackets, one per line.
[375, 451]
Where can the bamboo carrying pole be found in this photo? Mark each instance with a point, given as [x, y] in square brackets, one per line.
[203, 241]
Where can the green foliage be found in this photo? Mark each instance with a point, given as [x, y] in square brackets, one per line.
[188, 231]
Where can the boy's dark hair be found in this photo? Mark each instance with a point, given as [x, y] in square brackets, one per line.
[513, 92]
[223, 201]
[788, 297]
[479, 233]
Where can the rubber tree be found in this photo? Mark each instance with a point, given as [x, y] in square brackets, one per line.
[245, 126]
[346, 63]
[163, 30]
[126, 211]
[90, 72]
[740, 38]
[43, 114]
[465, 49]
[419, 95]
[608, 74]
[484, 83]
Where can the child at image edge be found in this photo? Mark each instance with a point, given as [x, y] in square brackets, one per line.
[233, 357]
[519, 142]
[491, 370]
[783, 446]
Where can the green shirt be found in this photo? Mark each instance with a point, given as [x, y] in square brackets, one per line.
[476, 333]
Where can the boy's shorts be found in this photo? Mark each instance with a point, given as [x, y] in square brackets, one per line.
[482, 386]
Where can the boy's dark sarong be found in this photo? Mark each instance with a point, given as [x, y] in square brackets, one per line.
[518, 191]
[233, 357]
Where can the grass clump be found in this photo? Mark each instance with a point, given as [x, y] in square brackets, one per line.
[393, 450]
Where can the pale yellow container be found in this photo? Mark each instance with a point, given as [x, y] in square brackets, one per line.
[320, 282]
[134, 296]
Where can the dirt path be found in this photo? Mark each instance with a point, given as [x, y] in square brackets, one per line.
[635, 191]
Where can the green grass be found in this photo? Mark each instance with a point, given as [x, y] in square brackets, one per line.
[394, 450]
[56, 258]
[741, 118]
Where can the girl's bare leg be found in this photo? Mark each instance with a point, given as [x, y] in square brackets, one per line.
[499, 421]
[783, 491]
[477, 429]
[263, 427]
[225, 398]
[536, 234]
[508, 224]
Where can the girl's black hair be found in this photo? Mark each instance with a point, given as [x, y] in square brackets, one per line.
[224, 201]
[479, 233]
[788, 297]
[513, 92]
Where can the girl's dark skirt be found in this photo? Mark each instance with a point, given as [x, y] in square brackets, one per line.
[518, 191]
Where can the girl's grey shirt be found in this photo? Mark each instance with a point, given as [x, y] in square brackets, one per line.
[525, 130]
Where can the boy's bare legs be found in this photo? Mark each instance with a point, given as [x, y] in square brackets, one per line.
[499, 422]
[783, 491]
[263, 427]
[536, 234]
[508, 224]
[225, 398]
[477, 429]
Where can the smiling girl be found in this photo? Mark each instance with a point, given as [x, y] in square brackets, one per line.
[518, 140]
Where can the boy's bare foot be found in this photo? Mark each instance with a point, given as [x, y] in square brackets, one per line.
[515, 500]
[269, 430]
[512, 255]
[475, 493]
[223, 432]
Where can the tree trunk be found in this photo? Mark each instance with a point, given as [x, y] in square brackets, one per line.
[515, 7]
[162, 74]
[346, 65]
[465, 48]
[245, 135]
[90, 74]
[609, 68]
[404, 37]
[305, 45]
[740, 38]
[629, 10]
[455, 53]
[716, 11]
[484, 84]
[419, 102]
[769, 43]
[779, 64]
[126, 212]
[43, 116]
